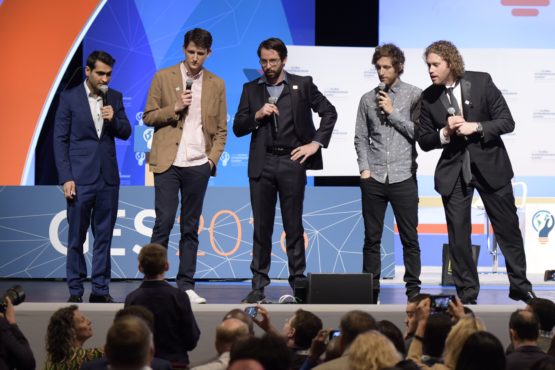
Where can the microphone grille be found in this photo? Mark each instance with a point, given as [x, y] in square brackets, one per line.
[451, 111]
[189, 83]
[103, 89]
[272, 99]
[381, 86]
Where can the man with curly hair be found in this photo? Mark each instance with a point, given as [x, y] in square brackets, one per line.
[464, 114]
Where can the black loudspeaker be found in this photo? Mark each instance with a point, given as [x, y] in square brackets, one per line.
[340, 288]
[549, 275]
[446, 270]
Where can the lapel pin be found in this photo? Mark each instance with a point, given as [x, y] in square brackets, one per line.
[177, 88]
[467, 102]
[295, 87]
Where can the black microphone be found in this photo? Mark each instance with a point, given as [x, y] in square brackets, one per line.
[188, 84]
[103, 91]
[273, 100]
[382, 87]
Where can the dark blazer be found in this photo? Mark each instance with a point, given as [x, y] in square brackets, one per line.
[524, 357]
[305, 98]
[79, 153]
[102, 364]
[175, 328]
[482, 102]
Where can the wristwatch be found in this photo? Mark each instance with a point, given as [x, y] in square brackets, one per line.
[479, 129]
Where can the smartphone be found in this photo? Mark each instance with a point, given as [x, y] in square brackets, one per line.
[334, 333]
[252, 311]
[440, 303]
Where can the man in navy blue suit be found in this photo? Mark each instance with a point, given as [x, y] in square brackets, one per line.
[89, 118]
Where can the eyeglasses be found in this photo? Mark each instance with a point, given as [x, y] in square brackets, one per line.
[272, 62]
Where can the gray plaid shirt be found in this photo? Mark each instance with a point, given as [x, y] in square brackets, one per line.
[385, 144]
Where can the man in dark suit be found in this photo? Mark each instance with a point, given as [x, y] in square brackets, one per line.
[276, 109]
[465, 114]
[89, 118]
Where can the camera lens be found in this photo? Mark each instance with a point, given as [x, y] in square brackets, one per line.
[15, 294]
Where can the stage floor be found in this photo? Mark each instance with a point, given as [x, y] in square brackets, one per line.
[494, 288]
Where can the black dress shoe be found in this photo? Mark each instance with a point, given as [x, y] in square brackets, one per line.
[526, 297]
[75, 299]
[94, 298]
[254, 296]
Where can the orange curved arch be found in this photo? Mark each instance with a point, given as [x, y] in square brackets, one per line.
[36, 36]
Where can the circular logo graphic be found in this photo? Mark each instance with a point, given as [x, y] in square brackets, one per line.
[543, 222]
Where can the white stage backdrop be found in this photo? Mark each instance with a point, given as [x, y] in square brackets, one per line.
[526, 78]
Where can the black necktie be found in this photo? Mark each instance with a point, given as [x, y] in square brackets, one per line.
[466, 172]
[453, 100]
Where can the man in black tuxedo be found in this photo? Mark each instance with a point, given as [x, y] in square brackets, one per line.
[465, 114]
[276, 109]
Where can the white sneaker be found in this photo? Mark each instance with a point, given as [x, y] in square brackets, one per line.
[194, 297]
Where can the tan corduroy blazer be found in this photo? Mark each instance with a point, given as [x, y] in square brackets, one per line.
[166, 87]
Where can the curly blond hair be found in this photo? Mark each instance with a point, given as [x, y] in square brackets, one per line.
[449, 52]
[372, 351]
[458, 335]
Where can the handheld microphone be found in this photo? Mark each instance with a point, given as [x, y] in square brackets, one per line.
[188, 84]
[103, 91]
[382, 87]
[451, 111]
[273, 100]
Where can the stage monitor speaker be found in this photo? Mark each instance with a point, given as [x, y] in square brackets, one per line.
[446, 269]
[549, 275]
[340, 288]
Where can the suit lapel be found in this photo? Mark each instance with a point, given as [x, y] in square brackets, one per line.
[465, 95]
[84, 102]
[205, 94]
[293, 92]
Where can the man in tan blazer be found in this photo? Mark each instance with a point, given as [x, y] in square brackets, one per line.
[186, 105]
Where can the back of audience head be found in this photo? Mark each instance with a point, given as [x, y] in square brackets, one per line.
[523, 327]
[136, 311]
[458, 335]
[545, 312]
[67, 329]
[246, 364]
[546, 363]
[481, 351]
[392, 332]
[270, 351]
[153, 260]
[352, 324]
[551, 350]
[303, 326]
[372, 351]
[437, 329]
[239, 314]
[129, 344]
[228, 332]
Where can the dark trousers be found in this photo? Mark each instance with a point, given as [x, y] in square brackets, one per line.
[191, 183]
[403, 197]
[95, 205]
[287, 178]
[501, 210]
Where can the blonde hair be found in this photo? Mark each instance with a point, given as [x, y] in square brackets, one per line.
[458, 335]
[372, 351]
